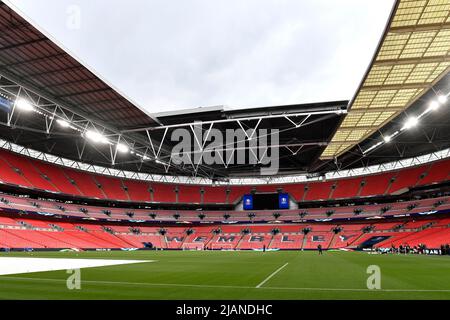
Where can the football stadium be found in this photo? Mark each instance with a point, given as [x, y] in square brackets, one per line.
[346, 199]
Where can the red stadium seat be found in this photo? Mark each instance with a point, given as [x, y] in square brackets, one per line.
[163, 192]
[347, 188]
[406, 179]
[112, 188]
[318, 191]
[376, 184]
[439, 171]
[28, 173]
[86, 184]
[214, 194]
[138, 190]
[189, 194]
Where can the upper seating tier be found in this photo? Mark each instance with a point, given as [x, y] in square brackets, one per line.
[26, 172]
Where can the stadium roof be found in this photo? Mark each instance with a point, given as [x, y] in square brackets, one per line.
[37, 62]
[412, 56]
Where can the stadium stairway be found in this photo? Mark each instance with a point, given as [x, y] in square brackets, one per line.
[305, 238]
[352, 244]
[269, 245]
[332, 241]
[109, 238]
[238, 244]
[128, 243]
[58, 242]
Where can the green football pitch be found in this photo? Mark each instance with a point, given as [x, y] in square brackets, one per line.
[236, 275]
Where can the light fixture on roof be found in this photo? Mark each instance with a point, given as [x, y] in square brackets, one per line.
[411, 122]
[63, 123]
[24, 105]
[373, 147]
[95, 136]
[434, 105]
[123, 148]
[442, 99]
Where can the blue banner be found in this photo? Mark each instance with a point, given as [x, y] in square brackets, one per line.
[283, 201]
[248, 202]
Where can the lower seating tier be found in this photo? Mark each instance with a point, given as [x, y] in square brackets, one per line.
[43, 234]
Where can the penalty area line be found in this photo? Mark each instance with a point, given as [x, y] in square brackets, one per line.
[271, 275]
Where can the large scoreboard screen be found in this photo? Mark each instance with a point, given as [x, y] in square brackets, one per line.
[266, 201]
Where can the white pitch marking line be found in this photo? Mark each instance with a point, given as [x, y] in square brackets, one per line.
[271, 275]
[221, 286]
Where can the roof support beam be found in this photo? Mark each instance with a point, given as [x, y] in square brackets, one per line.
[420, 27]
[237, 120]
[83, 92]
[394, 62]
[17, 64]
[419, 85]
[356, 111]
[67, 83]
[21, 44]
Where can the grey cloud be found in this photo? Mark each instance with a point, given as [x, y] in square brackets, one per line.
[169, 55]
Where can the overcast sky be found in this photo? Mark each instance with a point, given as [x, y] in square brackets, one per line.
[169, 55]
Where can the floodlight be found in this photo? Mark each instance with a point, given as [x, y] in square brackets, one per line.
[434, 105]
[442, 99]
[95, 136]
[63, 123]
[411, 122]
[123, 148]
[24, 105]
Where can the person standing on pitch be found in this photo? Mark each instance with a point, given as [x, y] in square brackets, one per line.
[319, 247]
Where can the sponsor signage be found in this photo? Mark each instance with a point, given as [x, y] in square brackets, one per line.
[248, 202]
[283, 201]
